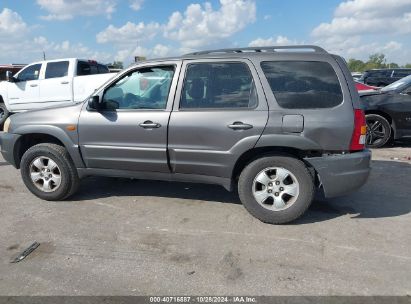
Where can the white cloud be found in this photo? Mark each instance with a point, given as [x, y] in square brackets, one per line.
[68, 49]
[358, 17]
[272, 41]
[136, 4]
[11, 25]
[129, 34]
[159, 50]
[18, 45]
[68, 9]
[361, 27]
[202, 25]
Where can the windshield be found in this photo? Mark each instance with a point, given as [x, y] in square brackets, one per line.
[403, 82]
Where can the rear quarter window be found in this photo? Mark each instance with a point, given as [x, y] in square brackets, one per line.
[303, 84]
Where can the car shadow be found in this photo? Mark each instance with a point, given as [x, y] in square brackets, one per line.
[386, 194]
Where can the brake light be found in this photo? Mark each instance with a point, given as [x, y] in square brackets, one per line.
[360, 131]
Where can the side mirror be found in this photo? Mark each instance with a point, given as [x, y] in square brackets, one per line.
[9, 77]
[94, 103]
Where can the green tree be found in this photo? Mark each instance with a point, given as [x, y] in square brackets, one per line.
[408, 66]
[376, 61]
[393, 65]
[356, 65]
[117, 65]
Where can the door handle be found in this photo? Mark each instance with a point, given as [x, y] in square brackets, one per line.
[33, 85]
[238, 125]
[148, 124]
[64, 82]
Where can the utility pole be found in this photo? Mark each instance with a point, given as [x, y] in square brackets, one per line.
[44, 55]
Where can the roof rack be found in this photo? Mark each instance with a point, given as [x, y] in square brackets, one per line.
[268, 49]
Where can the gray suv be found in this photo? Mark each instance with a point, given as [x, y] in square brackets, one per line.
[276, 123]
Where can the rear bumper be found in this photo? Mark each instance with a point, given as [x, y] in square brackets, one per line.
[7, 143]
[343, 173]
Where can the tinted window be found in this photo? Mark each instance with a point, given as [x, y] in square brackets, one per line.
[86, 68]
[218, 85]
[146, 88]
[102, 69]
[303, 84]
[57, 69]
[401, 73]
[379, 73]
[32, 72]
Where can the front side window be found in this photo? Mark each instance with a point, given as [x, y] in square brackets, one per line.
[218, 85]
[303, 84]
[32, 72]
[146, 88]
[57, 69]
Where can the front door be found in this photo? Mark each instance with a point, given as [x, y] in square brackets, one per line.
[130, 132]
[220, 112]
[25, 90]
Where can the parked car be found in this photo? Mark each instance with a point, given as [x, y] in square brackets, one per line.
[361, 87]
[383, 77]
[388, 113]
[9, 67]
[356, 75]
[275, 125]
[49, 83]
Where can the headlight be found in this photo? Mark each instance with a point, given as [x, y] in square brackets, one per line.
[7, 125]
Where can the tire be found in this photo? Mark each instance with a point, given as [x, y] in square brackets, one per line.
[277, 166]
[378, 131]
[4, 113]
[64, 179]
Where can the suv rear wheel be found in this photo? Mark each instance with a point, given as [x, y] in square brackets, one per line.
[48, 172]
[276, 189]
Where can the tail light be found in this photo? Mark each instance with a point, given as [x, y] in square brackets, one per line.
[360, 131]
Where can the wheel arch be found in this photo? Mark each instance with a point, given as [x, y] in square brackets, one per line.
[34, 137]
[387, 117]
[258, 152]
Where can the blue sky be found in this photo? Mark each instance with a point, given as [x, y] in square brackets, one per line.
[109, 30]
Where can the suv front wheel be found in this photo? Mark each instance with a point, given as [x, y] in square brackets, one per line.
[276, 189]
[48, 172]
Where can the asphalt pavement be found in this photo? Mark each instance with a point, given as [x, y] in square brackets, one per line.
[133, 237]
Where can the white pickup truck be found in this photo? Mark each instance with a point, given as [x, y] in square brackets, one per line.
[48, 83]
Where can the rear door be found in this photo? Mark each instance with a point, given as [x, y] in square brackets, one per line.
[130, 132]
[57, 85]
[220, 112]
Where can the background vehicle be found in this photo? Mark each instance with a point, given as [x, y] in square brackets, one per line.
[275, 125]
[388, 112]
[361, 87]
[48, 83]
[356, 75]
[383, 77]
[9, 67]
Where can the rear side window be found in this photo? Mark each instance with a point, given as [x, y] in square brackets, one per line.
[303, 84]
[85, 68]
[57, 69]
[402, 73]
[218, 85]
[102, 69]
